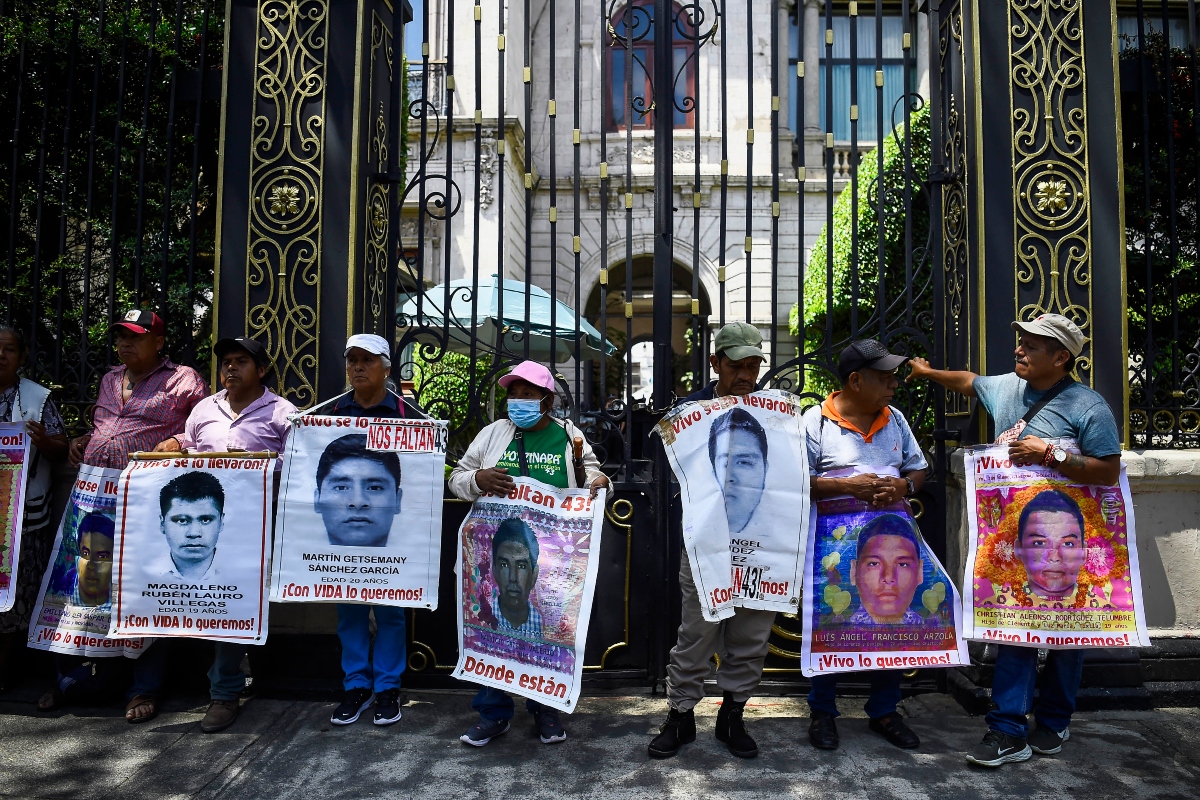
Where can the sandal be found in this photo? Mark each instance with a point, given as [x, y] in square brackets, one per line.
[52, 700]
[138, 702]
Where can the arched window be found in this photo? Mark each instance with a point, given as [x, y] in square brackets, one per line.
[636, 21]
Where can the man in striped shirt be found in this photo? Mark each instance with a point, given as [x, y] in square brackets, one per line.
[143, 400]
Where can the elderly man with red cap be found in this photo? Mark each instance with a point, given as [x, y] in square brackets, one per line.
[501, 450]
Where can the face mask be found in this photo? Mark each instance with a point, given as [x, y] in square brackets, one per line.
[525, 413]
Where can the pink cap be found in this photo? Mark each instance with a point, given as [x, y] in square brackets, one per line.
[532, 372]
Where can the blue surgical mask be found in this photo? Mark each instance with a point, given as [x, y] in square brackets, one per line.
[525, 413]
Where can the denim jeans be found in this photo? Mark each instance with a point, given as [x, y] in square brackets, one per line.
[885, 694]
[362, 671]
[496, 704]
[226, 681]
[1013, 684]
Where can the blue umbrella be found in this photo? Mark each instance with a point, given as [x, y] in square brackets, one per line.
[485, 325]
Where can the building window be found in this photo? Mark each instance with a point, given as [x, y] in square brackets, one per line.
[1127, 30]
[639, 17]
[841, 68]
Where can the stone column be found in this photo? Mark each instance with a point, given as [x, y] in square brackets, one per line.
[812, 37]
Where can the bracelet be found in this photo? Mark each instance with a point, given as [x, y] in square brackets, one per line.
[1048, 456]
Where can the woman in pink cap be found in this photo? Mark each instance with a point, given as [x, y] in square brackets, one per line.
[496, 454]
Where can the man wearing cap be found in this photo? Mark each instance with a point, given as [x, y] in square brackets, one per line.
[742, 638]
[861, 446]
[371, 671]
[1038, 401]
[246, 416]
[533, 444]
[142, 401]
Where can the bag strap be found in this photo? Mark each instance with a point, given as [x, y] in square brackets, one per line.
[1051, 393]
[524, 460]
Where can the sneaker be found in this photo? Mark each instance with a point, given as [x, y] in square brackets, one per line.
[387, 707]
[1046, 742]
[549, 729]
[353, 704]
[999, 748]
[484, 731]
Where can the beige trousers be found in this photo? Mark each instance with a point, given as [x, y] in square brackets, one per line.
[740, 641]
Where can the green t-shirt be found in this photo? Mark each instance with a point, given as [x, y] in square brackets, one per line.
[545, 453]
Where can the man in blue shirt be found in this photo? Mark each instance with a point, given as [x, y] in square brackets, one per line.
[1045, 358]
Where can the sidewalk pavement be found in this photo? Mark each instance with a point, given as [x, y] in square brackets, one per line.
[288, 749]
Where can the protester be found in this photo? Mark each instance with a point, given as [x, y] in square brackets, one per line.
[368, 679]
[1039, 400]
[141, 402]
[22, 399]
[247, 416]
[533, 444]
[742, 638]
[856, 431]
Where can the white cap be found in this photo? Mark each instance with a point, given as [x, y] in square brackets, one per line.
[369, 342]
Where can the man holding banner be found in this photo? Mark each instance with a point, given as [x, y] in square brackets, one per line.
[1037, 401]
[529, 444]
[243, 416]
[862, 449]
[739, 458]
[141, 401]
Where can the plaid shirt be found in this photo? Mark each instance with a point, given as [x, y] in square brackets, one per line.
[157, 410]
[531, 629]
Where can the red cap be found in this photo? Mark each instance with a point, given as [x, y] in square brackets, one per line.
[140, 321]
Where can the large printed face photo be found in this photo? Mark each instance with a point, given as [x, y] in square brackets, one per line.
[515, 570]
[1050, 544]
[358, 492]
[93, 565]
[737, 448]
[192, 507]
[887, 569]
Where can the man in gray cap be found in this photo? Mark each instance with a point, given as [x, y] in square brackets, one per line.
[737, 362]
[1038, 401]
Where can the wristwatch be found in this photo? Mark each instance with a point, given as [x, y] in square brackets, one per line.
[912, 487]
[1059, 454]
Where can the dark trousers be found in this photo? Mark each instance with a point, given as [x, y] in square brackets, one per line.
[885, 694]
[1013, 685]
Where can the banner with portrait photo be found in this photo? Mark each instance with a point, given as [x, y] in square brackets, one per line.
[74, 609]
[876, 596]
[14, 456]
[193, 533]
[742, 469]
[526, 575]
[360, 521]
[1052, 563]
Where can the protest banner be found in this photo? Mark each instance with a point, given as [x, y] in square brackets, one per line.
[876, 597]
[742, 469]
[526, 575]
[193, 533]
[74, 609]
[360, 512]
[1052, 563]
[14, 456]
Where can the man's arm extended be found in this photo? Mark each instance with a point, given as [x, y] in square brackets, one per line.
[958, 381]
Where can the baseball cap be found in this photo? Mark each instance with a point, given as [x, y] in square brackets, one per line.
[867, 354]
[251, 346]
[531, 372]
[1056, 326]
[739, 340]
[376, 345]
[140, 321]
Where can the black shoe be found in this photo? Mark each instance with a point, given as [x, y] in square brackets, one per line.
[822, 732]
[999, 748]
[355, 702]
[731, 728]
[387, 707]
[678, 730]
[891, 727]
[1046, 742]
[549, 729]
